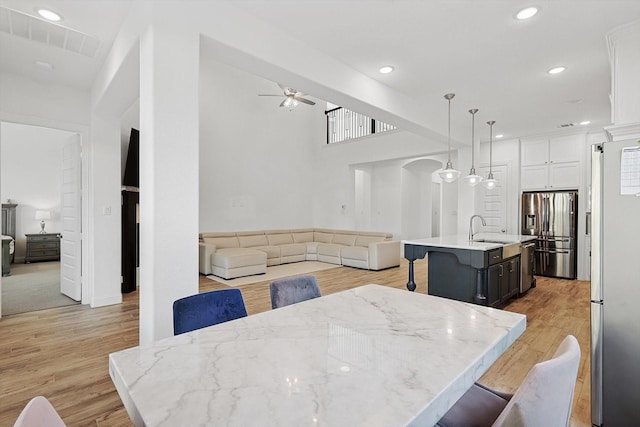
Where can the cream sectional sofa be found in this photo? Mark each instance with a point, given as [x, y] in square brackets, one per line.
[235, 254]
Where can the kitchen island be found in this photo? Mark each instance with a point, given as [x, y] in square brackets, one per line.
[485, 271]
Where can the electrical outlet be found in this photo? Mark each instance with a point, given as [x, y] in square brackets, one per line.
[106, 210]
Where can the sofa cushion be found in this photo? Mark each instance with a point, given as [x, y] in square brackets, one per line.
[344, 239]
[223, 242]
[237, 257]
[279, 239]
[293, 249]
[252, 240]
[271, 251]
[322, 237]
[302, 237]
[329, 249]
[355, 252]
[365, 240]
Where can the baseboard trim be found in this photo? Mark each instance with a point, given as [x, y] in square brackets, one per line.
[101, 302]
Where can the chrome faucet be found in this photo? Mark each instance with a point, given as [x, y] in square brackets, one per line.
[471, 225]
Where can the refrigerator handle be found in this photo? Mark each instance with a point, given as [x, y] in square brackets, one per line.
[545, 210]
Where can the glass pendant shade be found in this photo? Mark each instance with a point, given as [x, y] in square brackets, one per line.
[490, 183]
[473, 178]
[449, 174]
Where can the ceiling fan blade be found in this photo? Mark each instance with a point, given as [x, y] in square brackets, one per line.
[301, 99]
[287, 90]
[283, 103]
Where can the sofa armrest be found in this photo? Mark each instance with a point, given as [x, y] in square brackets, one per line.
[205, 252]
[384, 254]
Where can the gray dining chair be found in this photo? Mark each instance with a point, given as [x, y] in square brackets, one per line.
[39, 412]
[292, 290]
[544, 398]
[207, 309]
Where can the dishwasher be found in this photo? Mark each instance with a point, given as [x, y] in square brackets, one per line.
[527, 263]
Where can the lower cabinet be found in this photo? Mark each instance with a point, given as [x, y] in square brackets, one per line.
[503, 280]
[492, 283]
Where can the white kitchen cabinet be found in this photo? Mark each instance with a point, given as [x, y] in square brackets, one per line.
[551, 163]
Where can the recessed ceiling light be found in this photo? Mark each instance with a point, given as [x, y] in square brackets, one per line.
[49, 15]
[556, 70]
[526, 13]
[586, 122]
[386, 69]
[499, 135]
[44, 65]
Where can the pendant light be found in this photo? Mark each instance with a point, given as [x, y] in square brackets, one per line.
[473, 179]
[449, 174]
[490, 183]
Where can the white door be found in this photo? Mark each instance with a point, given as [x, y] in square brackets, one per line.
[71, 207]
[492, 204]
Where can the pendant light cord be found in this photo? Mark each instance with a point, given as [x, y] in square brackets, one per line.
[473, 112]
[491, 123]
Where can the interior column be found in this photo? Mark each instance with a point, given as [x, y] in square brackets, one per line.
[169, 69]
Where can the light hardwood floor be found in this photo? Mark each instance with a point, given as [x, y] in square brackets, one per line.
[62, 353]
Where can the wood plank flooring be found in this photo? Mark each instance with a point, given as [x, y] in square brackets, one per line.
[62, 353]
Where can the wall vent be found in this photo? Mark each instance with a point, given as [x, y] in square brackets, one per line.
[20, 24]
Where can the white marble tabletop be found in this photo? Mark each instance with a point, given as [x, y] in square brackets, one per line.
[369, 356]
[459, 241]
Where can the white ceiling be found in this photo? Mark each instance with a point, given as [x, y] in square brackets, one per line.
[474, 48]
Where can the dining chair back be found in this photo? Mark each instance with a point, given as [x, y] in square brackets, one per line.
[206, 309]
[544, 398]
[292, 290]
[38, 413]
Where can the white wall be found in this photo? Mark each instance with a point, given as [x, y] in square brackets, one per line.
[25, 100]
[31, 176]
[383, 156]
[256, 158]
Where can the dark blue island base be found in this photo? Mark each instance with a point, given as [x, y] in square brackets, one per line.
[475, 276]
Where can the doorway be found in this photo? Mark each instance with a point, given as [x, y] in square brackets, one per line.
[32, 179]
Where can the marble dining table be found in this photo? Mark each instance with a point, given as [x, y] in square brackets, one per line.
[368, 356]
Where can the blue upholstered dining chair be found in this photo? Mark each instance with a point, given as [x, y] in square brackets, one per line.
[292, 290]
[544, 398]
[206, 309]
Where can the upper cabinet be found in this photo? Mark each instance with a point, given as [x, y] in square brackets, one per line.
[551, 163]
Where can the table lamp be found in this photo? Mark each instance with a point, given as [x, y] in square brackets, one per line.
[42, 215]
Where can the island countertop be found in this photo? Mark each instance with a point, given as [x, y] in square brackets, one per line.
[459, 241]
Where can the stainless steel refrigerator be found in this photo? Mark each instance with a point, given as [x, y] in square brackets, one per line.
[615, 289]
[553, 218]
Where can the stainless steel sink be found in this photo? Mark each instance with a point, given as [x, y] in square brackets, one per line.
[509, 248]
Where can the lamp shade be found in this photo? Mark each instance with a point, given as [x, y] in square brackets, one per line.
[43, 215]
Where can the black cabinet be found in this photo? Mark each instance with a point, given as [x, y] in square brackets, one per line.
[503, 281]
[480, 277]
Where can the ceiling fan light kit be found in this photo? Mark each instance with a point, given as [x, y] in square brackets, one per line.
[292, 97]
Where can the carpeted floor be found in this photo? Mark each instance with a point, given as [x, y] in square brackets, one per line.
[32, 287]
[277, 272]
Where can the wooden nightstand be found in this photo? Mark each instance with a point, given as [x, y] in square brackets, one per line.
[43, 247]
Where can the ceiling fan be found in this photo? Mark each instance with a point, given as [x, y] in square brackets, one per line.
[291, 97]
